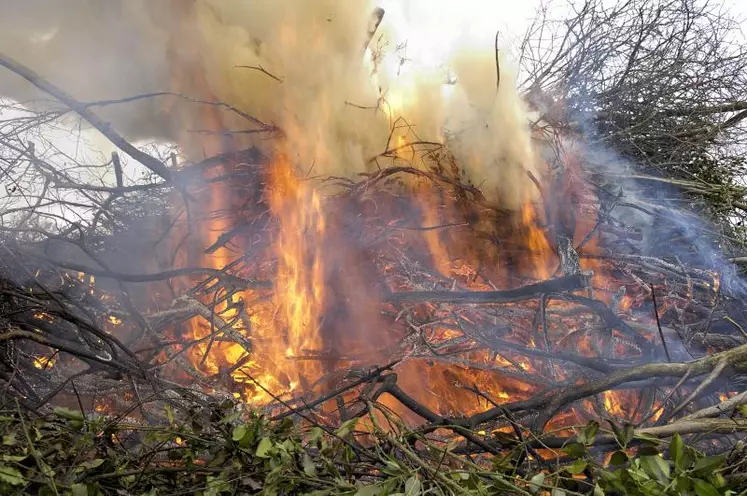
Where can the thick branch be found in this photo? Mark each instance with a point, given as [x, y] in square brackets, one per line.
[81, 109]
[563, 284]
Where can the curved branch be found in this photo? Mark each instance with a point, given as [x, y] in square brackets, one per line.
[81, 109]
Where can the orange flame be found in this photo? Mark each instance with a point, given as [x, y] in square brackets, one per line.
[290, 331]
[299, 290]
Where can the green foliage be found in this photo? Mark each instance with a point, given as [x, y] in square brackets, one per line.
[222, 450]
[645, 471]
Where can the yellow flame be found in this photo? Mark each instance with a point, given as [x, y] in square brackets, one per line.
[541, 254]
[299, 289]
[44, 362]
[612, 404]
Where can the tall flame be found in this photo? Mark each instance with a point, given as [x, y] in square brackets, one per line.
[299, 290]
[324, 310]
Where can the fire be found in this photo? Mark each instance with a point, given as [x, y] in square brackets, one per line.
[43, 316]
[540, 255]
[612, 404]
[726, 396]
[44, 362]
[299, 290]
[103, 405]
[324, 313]
[429, 203]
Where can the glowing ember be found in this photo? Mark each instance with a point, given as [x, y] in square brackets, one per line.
[44, 316]
[44, 362]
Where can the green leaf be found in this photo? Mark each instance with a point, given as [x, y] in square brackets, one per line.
[346, 427]
[263, 447]
[647, 440]
[169, 414]
[316, 435]
[684, 484]
[308, 465]
[68, 413]
[718, 480]
[128, 480]
[392, 468]
[79, 490]
[11, 476]
[598, 491]
[706, 465]
[575, 450]
[239, 432]
[589, 432]
[619, 458]
[230, 418]
[619, 436]
[412, 486]
[628, 433]
[677, 452]
[656, 468]
[93, 463]
[9, 439]
[371, 490]
[577, 467]
[703, 488]
[90, 465]
[13, 458]
[536, 482]
[647, 451]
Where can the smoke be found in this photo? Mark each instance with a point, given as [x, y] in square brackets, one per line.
[314, 52]
[491, 140]
[655, 209]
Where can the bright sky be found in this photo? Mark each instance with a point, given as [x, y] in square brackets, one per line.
[436, 25]
[427, 21]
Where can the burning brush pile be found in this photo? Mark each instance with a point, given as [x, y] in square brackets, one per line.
[488, 312]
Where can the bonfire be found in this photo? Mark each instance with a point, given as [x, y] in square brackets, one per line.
[485, 309]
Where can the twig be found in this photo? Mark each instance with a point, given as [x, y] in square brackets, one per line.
[715, 373]
[117, 169]
[716, 410]
[658, 324]
[260, 69]
[497, 63]
[366, 378]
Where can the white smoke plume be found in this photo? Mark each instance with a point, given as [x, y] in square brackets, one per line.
[314, 50]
